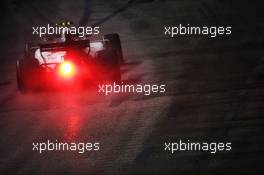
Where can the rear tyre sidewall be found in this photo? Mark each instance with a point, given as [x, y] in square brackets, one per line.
[115, 44]
[26, 75]
[20, 70]
[110, 67]
[116, 74]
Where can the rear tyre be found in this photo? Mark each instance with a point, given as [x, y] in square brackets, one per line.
[115, 74]
[115, 43]
[21, 76]
[26, 72]
[110, 65]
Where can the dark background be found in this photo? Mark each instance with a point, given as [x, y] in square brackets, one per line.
[214, 90]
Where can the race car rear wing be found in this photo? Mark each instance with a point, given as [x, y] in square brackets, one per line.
[64, 46]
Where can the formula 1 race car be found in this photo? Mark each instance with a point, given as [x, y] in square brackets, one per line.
[70, 60]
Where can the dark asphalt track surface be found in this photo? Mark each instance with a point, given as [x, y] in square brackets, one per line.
[215, 91]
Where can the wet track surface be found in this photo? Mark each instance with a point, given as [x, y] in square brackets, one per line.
[214, 91]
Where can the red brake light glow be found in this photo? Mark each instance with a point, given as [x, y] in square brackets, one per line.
[67, 70]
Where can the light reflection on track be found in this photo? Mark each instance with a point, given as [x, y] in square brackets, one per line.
[73, 127]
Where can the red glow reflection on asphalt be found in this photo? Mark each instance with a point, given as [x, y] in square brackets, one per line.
[71, 118]
[73, 126]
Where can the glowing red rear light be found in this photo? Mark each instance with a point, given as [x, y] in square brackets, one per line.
[67, 69]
